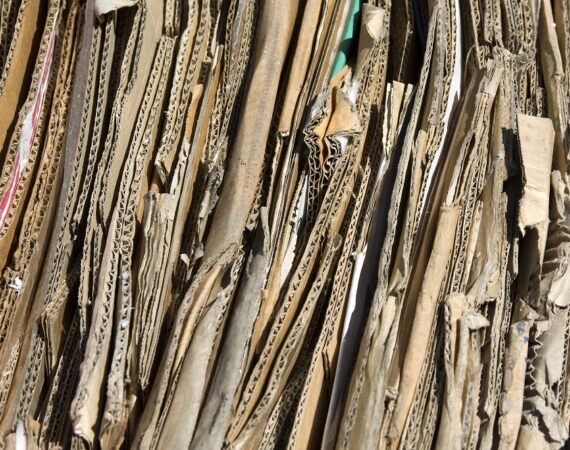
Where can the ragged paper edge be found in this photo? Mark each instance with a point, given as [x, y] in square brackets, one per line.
[102, 7]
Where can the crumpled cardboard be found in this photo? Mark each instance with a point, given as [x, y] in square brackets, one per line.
[261, 224]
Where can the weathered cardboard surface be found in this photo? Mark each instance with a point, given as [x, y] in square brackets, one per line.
[211, 239]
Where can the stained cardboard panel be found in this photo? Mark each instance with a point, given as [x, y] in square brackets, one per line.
[321, 224]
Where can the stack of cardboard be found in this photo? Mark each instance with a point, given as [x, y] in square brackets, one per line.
[284, 224]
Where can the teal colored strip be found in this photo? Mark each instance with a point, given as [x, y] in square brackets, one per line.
[347, 44]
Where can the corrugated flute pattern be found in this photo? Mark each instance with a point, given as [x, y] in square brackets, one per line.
[284, 224]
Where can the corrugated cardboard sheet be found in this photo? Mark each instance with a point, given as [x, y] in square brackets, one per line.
[263, 224]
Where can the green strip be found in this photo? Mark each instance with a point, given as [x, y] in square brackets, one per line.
[347, 44]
